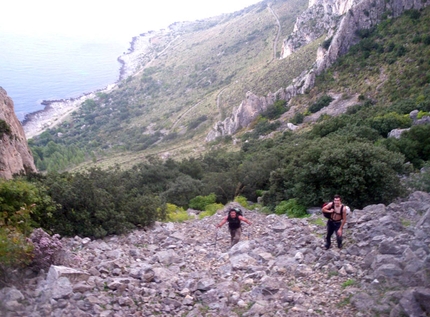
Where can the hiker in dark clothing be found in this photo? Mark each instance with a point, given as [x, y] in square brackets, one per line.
[336, 222]
[234, 225]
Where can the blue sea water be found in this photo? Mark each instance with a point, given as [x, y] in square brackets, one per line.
[50, 67]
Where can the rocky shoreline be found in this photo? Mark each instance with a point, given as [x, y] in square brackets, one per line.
[56, 111]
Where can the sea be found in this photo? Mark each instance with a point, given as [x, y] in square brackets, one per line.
[53, 67]
[46, 55]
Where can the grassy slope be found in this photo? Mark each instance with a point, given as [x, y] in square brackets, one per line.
[222, 63]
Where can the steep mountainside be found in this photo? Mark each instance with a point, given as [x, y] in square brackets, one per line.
[15, 156]
[188, 87]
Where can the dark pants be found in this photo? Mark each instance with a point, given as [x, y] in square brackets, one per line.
[235, 235]
[333, 227]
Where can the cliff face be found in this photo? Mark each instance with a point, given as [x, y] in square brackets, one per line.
[15, 155]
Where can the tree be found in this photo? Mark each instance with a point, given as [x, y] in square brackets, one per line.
[360, 172]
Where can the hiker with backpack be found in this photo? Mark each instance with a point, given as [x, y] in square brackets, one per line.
[336, 214]
[234, 219]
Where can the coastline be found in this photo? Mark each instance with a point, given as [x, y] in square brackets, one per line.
[56, 111]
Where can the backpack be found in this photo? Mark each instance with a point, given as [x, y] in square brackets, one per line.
[328, 214]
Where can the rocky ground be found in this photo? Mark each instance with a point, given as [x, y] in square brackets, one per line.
[279, 268]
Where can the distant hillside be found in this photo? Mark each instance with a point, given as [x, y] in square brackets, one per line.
[198, 73]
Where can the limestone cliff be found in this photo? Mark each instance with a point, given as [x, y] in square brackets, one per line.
[15, 155]
[339, 21]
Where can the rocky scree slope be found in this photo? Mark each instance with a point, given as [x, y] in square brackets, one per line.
[278, 269]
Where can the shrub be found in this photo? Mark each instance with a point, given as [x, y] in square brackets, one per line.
[361, 172]
[276, 110]
[298, 118]
[4, 128]
[322, 102]
[242, 201]
[291, 208]
[210, 210]
[422, 114]
[384, 124]
[414, 144]
[175, 213]
[15, 250]
[421, 181]
[200, 202]
[404, 106]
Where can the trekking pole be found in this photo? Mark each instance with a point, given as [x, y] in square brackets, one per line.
[216, 236]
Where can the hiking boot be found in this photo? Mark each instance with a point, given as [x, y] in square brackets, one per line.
[326, 246]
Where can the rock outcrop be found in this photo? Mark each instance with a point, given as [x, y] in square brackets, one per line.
[280, 268]
[253, 106]
[321, 17]
[15, 155]
[339, 20]
[362, 15]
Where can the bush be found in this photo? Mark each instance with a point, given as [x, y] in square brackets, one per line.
[200, 202]
[387, 122]
[15, 250]
[242, 201]
[291, 208]
[4, 128]
[322, 102]
[362, 173]
[97, 203]
[414, 144]
[404, 106]
[420, 181]
[276, 110]
[298, 118]
[210, 210]
[175, 213]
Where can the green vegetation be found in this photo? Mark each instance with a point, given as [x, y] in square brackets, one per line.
[174, 100]
[175, 213]
[348, 283]
[200, 202]
[210, 210]
[4, 128]
[349, 154]
[291, 208]
[322, 102]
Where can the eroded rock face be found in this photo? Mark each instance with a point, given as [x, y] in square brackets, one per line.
[254, 105]
[362, 15]
[339, 20]
[15, 155]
